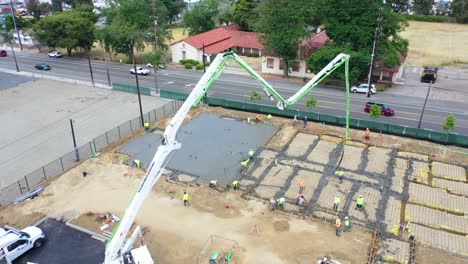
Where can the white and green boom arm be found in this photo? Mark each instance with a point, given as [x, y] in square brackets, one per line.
[115, 247]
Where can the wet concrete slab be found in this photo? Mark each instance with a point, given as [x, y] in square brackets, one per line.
[212, 146]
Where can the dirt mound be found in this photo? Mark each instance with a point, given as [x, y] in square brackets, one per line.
[281, 226]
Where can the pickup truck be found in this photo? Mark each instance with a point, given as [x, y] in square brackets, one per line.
[15, 243]
[140, 71]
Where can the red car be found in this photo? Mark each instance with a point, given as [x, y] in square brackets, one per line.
[385, 109]
[3, 53]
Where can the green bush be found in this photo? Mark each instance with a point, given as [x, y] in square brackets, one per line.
[188, 66]
[424, 18]
[182, 62]
[199, 67]
[207, 63]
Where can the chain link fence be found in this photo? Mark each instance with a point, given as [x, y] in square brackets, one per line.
[69, 160]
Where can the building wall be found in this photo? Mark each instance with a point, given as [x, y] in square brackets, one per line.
[26, 40]
[271, 65]
[191, 52]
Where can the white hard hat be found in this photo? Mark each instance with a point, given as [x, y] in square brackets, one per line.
[346, 217]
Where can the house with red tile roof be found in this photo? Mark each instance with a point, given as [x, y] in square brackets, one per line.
[272, 64]
[215, 41]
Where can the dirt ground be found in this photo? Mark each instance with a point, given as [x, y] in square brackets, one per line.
[178, 233]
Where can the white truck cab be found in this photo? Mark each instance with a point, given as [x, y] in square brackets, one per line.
[15, 243]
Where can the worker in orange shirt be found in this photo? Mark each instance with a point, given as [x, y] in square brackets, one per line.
[367, 134]
[338, 227]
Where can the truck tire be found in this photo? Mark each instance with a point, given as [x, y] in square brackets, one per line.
[38, 242]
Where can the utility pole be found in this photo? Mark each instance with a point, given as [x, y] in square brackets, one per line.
[77, 154]
[14, 56]
[14, 23]
[90, 68]
[107, 68]
[137, 83]
[155, 24]
[424, 106]
[378, 31]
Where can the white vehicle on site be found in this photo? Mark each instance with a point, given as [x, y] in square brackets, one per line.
[15, 243]
[140, 71]
[55, 54]
[362, 88]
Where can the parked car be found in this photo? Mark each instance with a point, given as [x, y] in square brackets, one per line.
[15, 243]
[385, 109]
[55, 54]
[42, 66]
[3, 53]
[140, 71]
[362, 88]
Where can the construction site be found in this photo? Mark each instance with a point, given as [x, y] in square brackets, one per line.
[415, 195]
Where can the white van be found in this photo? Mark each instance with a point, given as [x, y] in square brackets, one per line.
[15, 243]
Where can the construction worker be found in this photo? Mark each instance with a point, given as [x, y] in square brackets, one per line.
[186, 199]
[137, 163]
[300, 200]
[146, 125]
[336, 203]
[244, 164]
[301, 187]
[281, 201]
[213, 183]
[269, 117]
[359, 202]
[305, 122]
[338, 227]
[273, 204]
[367, 134]
[251, 154]
[235, 185]
[257, 118]
[347, 224]
[295, 119]
[340, 174]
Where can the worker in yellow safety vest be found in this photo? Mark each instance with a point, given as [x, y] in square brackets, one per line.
[251, 154]
[137, 163]
[269, 117]
[336, 203]
[281, 201]
[235, 185]
[347, 224]
[146, 125]
[186, 199]
[359, 202]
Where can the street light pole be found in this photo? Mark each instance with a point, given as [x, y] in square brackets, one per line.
[424, 106]
[375, 46]
[14, 57]
[137, 83]
[77, 154]
[14, 24]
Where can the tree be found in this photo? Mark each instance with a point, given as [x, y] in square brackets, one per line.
[21, 23]
[202, 17]
[423, 7]
[245, 13]
[255, 96]
[375, 111]
[449, 123]
[75, 3]
[130, 26]
[399, 6]
[57, 6]
[311, 102]
[174, 7]
[352, 30]
[283, 25]
[69, 30]
[225, 12]
[460, 10]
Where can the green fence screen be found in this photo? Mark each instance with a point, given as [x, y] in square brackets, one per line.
[130, 88]
[426, 134]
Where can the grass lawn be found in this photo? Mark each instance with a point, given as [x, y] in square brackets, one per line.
[436, 44]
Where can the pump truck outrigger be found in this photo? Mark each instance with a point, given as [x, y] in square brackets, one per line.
[120, 252]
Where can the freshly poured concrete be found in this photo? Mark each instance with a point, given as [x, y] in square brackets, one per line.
[212, 147]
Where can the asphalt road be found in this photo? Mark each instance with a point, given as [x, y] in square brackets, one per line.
[408, 106]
